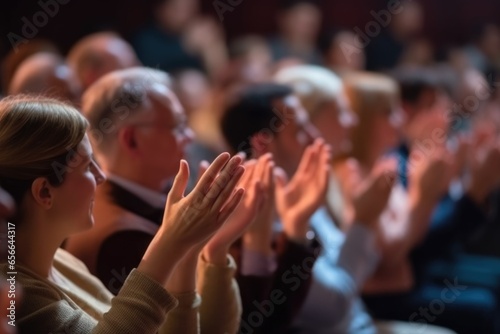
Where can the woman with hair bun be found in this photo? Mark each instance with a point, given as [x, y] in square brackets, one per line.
[47, 166]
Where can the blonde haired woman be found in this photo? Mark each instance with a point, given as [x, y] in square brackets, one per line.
[356, 194]
[48, 168]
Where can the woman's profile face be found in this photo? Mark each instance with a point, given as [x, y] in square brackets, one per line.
[73, 200]
[335, 121]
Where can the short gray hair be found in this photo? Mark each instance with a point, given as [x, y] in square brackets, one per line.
[118, 96]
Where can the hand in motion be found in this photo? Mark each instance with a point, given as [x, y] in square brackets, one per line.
[299, 198]
[189, 221]
[430, 175]
[371, 196]
[193, 219]
[259, 234]
[255, 181]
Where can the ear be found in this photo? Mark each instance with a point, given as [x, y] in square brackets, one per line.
[127, 138]
[260, 144]
[42, 192]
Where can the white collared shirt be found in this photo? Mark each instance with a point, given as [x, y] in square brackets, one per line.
[152, 197]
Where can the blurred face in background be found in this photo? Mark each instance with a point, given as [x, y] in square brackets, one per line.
[293, 133]
[490, 42]
[192, 87]
[301, 22]
[386, 127]
[174, 15]
[429, 116]
[409, 22]
[344, 54]
[334, 120]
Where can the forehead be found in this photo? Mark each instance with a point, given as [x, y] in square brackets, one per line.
[166, 105]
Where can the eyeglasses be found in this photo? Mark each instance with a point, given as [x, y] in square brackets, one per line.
[178, 130]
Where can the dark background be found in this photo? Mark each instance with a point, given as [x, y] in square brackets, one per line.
[447, 22]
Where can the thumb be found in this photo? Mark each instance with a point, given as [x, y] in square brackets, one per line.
[280, 179]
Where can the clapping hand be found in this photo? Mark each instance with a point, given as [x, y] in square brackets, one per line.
[299, 198]
[255, 181]
[371, 196]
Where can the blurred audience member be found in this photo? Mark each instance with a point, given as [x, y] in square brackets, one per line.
[341, 52]
[419, 52]
[11, 62]
[331, 303]
[254, 58]
[386, 50]
[180, 38]
[97, 54]
[299, 23]
[436, 263]
[250, 123]
[46, 74]
[484, 51]
[192, 87]
[250, 63]
[323, 95]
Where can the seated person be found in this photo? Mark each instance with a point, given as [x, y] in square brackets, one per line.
[324, 96]
[48, 168]
[97, 54]
[180, 38]
[426, 168]
[139, 153]
[46, 74]
[269, 118]
[299, 23]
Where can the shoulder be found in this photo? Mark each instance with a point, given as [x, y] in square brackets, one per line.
[42, 302]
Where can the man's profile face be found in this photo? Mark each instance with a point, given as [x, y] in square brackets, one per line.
[293, 135]
[166, 135]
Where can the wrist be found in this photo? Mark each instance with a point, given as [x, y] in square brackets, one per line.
[155, 264]
[295, 228]
[258, 243]
[215, 255]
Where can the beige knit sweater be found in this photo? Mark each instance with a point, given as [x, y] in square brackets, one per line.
[77, 302]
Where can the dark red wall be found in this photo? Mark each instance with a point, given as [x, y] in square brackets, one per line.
[447, 22]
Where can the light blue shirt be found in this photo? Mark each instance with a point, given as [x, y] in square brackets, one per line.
[333, 304]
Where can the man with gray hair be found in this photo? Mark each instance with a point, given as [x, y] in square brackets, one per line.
[139, 132]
